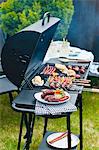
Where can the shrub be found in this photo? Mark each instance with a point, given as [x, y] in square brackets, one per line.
[17, 14]
[60, 8]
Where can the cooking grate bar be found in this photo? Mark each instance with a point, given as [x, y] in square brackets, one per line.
[27, 81]
[29, 84]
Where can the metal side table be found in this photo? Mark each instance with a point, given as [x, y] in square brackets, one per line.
[7, 87]
[25, 103]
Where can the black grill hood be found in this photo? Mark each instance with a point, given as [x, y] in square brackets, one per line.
[23, 51]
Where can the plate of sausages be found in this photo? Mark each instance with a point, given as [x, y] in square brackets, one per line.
[59, 140]
[49, 96]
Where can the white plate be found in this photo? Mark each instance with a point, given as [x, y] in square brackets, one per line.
[63, 143]
[38, 97]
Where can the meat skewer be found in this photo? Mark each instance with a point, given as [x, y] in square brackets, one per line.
[82, 81]
[82, 84]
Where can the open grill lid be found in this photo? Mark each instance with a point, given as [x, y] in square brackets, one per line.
[23, 51]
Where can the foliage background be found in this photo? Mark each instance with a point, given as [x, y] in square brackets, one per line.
[17, 14]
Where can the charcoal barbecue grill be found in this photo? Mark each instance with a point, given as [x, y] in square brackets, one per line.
[22, 59]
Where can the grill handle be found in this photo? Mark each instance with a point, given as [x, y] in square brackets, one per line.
[46, 15]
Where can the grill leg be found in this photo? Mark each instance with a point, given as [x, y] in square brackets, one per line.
[32, 127]
[26, 124]
[11, 97]
[45, 125]
[27, 145]
[80, 115]
[69, 132]
[20, 132]
[30, 130]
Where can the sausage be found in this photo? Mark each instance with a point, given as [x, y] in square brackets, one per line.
[47, 92]
[64, 98]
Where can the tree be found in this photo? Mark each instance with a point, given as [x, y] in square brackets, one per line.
[17, 14]
[60, 8]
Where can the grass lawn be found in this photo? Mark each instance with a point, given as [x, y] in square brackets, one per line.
[9, 124]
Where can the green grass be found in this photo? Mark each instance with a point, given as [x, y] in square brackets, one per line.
[9, 124]
[94, 82]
